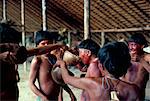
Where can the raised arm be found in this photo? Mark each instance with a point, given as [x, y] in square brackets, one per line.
[17, 56]
[81, 83]
[43, 49]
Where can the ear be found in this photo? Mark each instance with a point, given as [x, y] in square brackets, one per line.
[101, 66]
[89, 53]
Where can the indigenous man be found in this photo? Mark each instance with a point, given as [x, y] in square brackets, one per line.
[138, 73]
[88, 50]
[10, 55]
[115, 59]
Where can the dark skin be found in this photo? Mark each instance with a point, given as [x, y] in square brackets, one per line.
[59, 54]
[93, 86]
[138, 73]
[49, 90]
[41, 70]
[147, 58]
[135, 74]
[92, 70]
[8, 60]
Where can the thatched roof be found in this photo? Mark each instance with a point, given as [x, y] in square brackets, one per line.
[110, 16]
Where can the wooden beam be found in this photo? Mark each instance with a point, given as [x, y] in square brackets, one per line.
[106, 30]
[123, 30]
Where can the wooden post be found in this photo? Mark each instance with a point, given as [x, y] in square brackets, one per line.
[4, 10]
[44, 17]
[69, 39]
[102, 39]
[86, 19]
[23, 29]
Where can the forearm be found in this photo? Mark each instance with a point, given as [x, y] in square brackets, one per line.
[65, 74]
[17, 56]
[3, 56]
[8, 46]
[42, 49]
[73, 81]
[36, 91]
[7, 57]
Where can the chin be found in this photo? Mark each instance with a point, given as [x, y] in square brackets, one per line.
[132, 52]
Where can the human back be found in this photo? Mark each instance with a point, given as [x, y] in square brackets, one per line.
[115, 58]
[105, 89]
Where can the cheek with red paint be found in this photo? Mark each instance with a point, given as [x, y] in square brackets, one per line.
[84, 58]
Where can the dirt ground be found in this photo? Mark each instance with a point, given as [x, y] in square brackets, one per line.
[26, 94]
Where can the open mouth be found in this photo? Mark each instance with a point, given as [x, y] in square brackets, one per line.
[132, 51]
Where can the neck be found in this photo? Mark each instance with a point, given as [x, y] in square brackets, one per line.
[136, 56]
[93, 59]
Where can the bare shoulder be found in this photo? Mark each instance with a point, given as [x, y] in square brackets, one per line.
[145, 64]
[129, 86]
[134, 91]
[130, 89]
[94, 82]
[36, 60]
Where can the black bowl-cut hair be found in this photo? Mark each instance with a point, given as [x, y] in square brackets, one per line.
[115, 58]
[46, 35]
[90, 45]
[9, 34]
[138, 38]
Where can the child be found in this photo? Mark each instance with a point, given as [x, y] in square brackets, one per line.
[41, 68]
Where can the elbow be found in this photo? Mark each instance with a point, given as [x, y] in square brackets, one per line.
[65, 78]
[31, 84]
